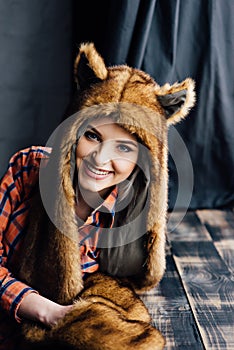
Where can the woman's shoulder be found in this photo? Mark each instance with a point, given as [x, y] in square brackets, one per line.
[23, 170]
[25, 163]
[31, 155]
[35, 151]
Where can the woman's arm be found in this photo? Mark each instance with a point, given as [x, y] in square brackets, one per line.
[15, 186]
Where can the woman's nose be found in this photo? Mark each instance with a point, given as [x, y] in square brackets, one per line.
[102, 154]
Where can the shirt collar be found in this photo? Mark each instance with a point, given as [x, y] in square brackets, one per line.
[108, 206]
[109, 202]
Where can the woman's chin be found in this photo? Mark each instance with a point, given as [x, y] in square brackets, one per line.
[92, 189]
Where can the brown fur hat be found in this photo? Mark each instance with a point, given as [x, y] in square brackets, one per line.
[101, 84]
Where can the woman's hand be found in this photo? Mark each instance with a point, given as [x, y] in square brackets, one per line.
[37, 308]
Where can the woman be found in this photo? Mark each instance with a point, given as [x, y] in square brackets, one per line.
[100, 211]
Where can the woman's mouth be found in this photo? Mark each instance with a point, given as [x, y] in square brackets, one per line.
[96, 172]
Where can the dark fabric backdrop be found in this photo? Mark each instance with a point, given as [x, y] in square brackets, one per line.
[169, 39]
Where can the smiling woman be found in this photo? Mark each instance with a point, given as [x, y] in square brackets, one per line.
[83, 221]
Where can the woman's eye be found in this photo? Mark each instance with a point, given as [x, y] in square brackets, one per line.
[124, 148]
[90, 135]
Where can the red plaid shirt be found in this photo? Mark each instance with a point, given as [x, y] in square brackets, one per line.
[16, 189]
[90, 232]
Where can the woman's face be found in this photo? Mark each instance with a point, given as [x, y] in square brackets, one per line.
[106, 155]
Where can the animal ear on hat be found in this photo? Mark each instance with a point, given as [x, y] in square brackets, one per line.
[89, 67]
[176, 100]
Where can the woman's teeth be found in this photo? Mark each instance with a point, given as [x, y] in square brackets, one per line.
[96, 171]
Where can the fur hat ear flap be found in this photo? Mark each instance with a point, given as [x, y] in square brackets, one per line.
[89, 66]
[177, 100]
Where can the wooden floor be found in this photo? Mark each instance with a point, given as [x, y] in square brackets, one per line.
[193, 306]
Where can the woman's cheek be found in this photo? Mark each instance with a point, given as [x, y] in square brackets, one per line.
[84, 148]
[124, 167]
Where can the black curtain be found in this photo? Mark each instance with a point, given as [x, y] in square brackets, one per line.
[169, 39]
[35, 71]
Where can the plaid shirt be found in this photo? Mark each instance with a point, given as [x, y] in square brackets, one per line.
[16, 190]
[90, 232]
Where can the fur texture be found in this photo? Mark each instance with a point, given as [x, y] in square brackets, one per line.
[107, 312]
[107, 315]
[126, 84]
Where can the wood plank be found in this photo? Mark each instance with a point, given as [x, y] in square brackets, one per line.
[210, 291]
[189, 229]
[171, 312]
[220, 225]
[217, 219]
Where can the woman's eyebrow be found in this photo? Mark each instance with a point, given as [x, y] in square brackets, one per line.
[128, 142]
[92, 128]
